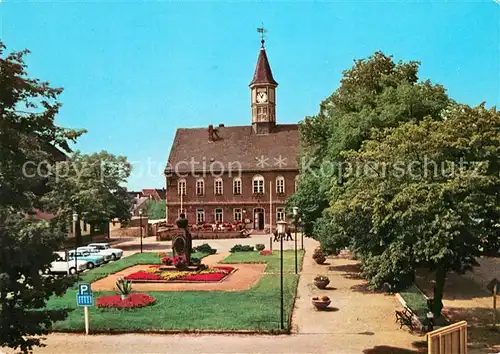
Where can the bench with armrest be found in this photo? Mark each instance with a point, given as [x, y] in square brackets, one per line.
[405, 317]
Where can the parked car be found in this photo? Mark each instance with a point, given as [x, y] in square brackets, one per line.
[91, 259]
[116, 253]
[95, 251]
[60, 265]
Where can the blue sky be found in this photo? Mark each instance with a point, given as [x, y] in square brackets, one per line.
[134, 71]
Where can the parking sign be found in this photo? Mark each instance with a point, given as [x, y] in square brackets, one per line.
[84, 296]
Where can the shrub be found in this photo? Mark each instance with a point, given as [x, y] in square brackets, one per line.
[205, 248]
[260, 247]
[132, 301]
[241, 248]
[195, 260]
[124, 286]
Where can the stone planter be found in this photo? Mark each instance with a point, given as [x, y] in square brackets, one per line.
[320, 304]
[321, 284]
[319, 260]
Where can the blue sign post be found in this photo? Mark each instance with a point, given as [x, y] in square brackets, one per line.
[85, 298]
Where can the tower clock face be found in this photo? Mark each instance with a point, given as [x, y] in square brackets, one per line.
[261, 97]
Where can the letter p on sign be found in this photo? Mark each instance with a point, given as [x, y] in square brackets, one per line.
[84, 289]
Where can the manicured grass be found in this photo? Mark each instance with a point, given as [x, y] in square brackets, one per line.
[257, 309]
[417, 302]
[135, 259]
[273, 261]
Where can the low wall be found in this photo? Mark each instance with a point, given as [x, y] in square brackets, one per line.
[130, 232]
[167, 236]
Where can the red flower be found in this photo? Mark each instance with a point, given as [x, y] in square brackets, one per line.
[131, 301]
[266, 253]
[204, 277]
[141, 275]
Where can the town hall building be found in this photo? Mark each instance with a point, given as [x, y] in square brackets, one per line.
[219, 174]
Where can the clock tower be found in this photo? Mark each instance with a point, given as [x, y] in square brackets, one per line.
[263, 93]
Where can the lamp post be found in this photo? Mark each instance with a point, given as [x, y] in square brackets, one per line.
[140, 224]
[301, 235]
[281, 231]
[75, 221]
[430, 321]
[295, 216]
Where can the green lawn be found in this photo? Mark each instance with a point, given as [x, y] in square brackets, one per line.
[417, 302]
[257, 309]
[273, 262]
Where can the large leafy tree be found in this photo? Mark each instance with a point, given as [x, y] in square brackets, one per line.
[28, 137]
[424, 195]
[375, 93]
[92, 186]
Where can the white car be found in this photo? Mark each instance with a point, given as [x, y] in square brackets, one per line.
[116, 253]
[95, 251]
[60, 265]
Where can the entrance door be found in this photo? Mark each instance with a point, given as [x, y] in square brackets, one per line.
[259, 219]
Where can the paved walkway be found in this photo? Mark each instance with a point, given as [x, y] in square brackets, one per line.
[360, 322]
[358, 318]
[466, 300]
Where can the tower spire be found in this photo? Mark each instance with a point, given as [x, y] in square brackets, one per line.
[263, 73]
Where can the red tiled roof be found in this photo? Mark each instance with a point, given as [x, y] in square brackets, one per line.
[263, 73]
[236, 144]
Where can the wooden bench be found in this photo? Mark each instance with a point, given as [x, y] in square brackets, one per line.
[405, 317]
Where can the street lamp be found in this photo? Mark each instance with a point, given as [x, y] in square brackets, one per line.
[140, 224]
[75, 221]
[281, 232]
[430, 321]
[295, 218]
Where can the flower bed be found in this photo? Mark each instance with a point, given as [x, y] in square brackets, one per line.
[153, 274]
[266, 253]
[130, 302]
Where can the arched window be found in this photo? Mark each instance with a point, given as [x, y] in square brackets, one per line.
[181, 187]
[200, 187]
[258, 184]
[237, 186]
[280, 185]
[218, 186]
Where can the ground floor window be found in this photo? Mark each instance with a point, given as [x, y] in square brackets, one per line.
[218, 215]
[280, 214]
[200, 216]
[238, 215]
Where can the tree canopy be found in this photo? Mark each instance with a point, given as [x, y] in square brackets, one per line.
[28, 141]
[400, 174]
[375, 93]
[92, 186]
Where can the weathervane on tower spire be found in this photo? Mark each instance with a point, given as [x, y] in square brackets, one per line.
[262, 30]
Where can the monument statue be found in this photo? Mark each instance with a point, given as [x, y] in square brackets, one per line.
[182, 243]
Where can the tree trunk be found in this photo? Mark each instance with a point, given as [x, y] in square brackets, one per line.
[438, 291]
[78, 232]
